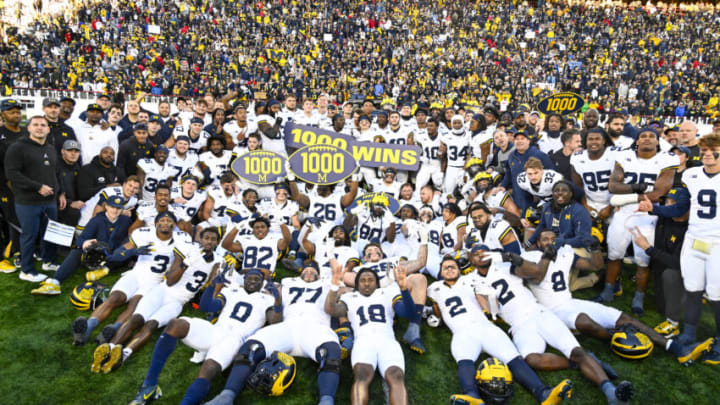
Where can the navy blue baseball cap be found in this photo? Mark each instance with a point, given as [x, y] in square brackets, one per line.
[116, 201]
[140, 127]
[9, 104]
[196, 120]
[155, 118]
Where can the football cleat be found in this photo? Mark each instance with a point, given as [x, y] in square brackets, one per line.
[96, 275]
[617, 289]
[624, 391]
[465, 400]
[667, 329]
[100, 356]
[79, 328]
[417, 346]
[114, 359]
[33, 278]
[694, 351]
[47, 288]
[713, 356]
[49, 266]
[105, 335]
[611, 373]
[561, 392]
[146, 394]
[7, 266]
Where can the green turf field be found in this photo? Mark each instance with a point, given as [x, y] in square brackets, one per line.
[40, 366]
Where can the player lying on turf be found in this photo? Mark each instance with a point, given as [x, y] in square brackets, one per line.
[305, 331]
[244, 309]
[533, 326]
[193, 266]
[455, 300]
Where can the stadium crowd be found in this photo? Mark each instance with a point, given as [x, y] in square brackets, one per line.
[509, 212]
[650, 60]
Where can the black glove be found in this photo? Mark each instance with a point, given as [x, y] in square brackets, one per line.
[513, 258]
[278, 120]
[639, 188]
[549, 253]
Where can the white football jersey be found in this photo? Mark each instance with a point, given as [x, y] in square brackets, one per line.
[369, 227]
[397, 137]
[449, 235]
[243, 313]
[430, 148]
[543, 190]
[458, 148]
[515, 302]
[181, 166]
[238, 208]
[595, 174]
[328, 208]
[479, 140]
[275, 145]
[492, 238]
[196, 275]
[366, 136]
[86, 211]
[434, 228]
[372, 316]
[381, 268]
[188, 210]
[300, 118]
[259, 253]
[639, 170]
[554, 290]
[704, 201]
[152, 267]
[278, 213]
[548, 144]
[233, 129]
[493, 200]
[221, 202]
[154, 174]
[457, 303]
[305, 301]
[217, 164]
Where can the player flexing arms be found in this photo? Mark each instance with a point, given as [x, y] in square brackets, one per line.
[305, 331]
[455, 300]
[371, 310]
[533, 326]
[645, 170]
[193, 266]
[260, 250]
[591, 169]
[244, 309]
[548, 273]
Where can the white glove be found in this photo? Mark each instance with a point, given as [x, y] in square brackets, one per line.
[330, 247]
[433, 321]
[619, 200]
[493, 256]
[357, 176]
[289, 174]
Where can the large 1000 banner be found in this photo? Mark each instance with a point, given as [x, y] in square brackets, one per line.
[367, 154]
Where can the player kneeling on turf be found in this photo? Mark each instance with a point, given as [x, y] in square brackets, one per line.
[305, 331]
[244, 310]
[190, 271]
[454, 298]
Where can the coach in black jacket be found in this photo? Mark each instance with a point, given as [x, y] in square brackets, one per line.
[68, 169]
[30, 167]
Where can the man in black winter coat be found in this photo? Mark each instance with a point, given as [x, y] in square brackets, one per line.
[30, 167]
[68, 169]
[98, 174]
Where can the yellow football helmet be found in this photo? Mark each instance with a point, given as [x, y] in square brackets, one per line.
[273, 375]
[495, 381]
[483, 175]
[380, 199]
[631, 344]
[88, 295]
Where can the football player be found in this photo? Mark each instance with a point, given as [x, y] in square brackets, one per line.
[701, 247]
[186, 201]
[269, 126]
[243, 310]
[281, 210]
[154, 248]
[373, 222]
[192, 267]
[219, 198]
[215, 162]
[454, 300]
[371, 310]
[533, 326]
[639, 173]
[452, 234]
[374, 259]
[501, 200]
[454, 148]
[322, 202]
[93, 206]
[147, 211]
[152, 172]
[548, 272]
[430, 161]
[538, 181]
[261, 249]
[304, 331]
[591, 169]
[323, 244]
[494, 232]
[181, 160]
